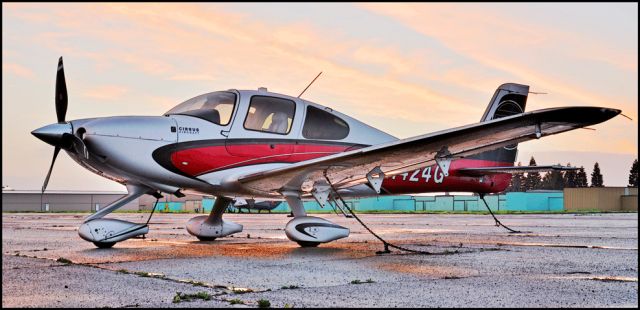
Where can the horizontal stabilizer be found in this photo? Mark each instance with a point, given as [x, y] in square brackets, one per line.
[512, 169]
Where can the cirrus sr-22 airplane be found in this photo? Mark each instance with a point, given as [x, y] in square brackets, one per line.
[258, 144]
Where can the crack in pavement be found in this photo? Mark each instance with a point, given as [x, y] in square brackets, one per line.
[227, 290]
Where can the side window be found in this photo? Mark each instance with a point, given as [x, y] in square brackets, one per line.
[320, 124]
[270, 114]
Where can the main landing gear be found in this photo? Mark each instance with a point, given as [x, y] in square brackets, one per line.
[208, 228]
[310, 231]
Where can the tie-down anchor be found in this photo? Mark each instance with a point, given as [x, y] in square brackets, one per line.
[375, 178]
[443, 159]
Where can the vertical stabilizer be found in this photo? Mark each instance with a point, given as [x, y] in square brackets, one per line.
[509, 99]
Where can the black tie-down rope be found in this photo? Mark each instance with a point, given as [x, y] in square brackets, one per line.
[153, 210]
[498, 223]
[386, 244]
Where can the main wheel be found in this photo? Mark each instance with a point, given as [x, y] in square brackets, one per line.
[206, 238]
[104, 245]
[308, 244]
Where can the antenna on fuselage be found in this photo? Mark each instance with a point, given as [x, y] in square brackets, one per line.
[309, 84]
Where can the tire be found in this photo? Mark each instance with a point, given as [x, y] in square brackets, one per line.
[308, 244]
[104, 245]
[206, 238]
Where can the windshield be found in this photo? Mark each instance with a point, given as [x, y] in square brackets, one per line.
[215, 107]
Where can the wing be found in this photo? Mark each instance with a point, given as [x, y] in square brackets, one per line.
[351, 168]
[512, 169]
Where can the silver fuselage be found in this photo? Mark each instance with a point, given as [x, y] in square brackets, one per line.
[148, 150]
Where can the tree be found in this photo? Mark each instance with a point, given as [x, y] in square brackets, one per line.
[596, 176]
[517, 182]
[569, 178]
[532, 180]
[581, 178]
[553, 180]
[546, 184]
[633, 174]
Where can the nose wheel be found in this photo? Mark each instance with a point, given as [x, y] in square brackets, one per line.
[206, 238]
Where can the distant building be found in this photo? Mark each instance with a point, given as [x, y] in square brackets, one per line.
[601, 199]
[189, 203]
[571, 199]
[57, 201]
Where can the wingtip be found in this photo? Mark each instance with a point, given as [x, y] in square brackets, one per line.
[601, 114]
[616, 111]
[611, 113]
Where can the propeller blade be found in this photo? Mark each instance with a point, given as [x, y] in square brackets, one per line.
[46, 181]
[61, 93]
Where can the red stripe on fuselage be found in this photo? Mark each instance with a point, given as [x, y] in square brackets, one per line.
[201, 160]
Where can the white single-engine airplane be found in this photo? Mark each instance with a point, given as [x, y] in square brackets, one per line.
[258, 144]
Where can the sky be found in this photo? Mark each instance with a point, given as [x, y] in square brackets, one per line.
[407, 69]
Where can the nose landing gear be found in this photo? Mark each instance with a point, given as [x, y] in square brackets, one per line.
[104, 233]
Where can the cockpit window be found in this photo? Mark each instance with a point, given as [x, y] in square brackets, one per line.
[215, 107]
[320, 124]
[270, 114]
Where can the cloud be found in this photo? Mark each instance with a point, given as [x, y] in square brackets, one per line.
[192, 77]
[487, 29]
[495, 39]
[16, 69]
[159, 104]
[210, 43]
[145, 64]
[167, 39]
[229, 44]
[574, 68]
[398, 63]
[33, 17]
[105, 92]
[166, 53]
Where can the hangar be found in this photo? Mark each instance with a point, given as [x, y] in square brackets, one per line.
[571, 199]
[60, 201]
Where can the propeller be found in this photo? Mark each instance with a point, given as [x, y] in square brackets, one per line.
[46, 180]
[61, 101]
[61, 93]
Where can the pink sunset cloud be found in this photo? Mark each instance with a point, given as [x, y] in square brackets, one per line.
[14, 69]
[437, 69]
